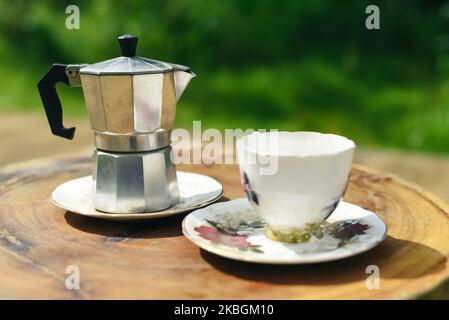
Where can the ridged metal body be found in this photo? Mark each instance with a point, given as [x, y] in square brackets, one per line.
[134, 182]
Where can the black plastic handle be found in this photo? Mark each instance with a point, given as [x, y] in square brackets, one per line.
[51, 102]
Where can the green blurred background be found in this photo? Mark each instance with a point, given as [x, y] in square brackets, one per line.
[291, 65]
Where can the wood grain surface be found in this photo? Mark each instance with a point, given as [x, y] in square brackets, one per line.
[154, 260]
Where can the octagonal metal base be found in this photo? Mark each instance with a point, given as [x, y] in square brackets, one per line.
[134, 182]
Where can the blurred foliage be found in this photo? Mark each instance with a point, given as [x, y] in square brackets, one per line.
[291, 65]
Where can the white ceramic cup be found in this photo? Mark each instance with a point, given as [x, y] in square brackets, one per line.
[294, 180]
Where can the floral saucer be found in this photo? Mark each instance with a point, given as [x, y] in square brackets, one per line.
[233, 230]
[195, 191]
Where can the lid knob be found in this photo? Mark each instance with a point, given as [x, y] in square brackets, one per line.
[128, 44]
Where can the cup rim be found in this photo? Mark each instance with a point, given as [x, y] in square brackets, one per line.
[346, 144]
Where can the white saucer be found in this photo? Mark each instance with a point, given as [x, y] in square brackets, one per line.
[195, 191]
[233, 230]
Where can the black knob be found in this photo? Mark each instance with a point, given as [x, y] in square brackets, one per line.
[128, 44]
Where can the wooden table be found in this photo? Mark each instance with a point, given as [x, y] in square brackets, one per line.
[154, 260]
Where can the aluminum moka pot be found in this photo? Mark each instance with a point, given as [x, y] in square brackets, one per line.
[131, 102]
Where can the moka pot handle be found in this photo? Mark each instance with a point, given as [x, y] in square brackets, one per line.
[52, 104]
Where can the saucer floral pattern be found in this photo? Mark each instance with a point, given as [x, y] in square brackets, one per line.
[234, 230]
[233, 240]
[346, 230]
